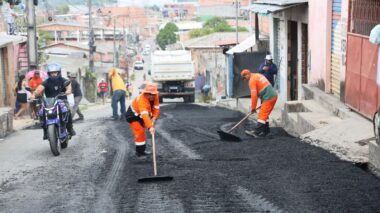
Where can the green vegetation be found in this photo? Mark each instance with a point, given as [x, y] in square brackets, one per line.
[215, 24]
[167, 35]
[62, 9]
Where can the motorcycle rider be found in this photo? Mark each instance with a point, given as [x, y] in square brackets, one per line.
[52, 86]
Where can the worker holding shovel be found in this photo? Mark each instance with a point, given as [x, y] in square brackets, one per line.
[260, 88]
[142, 113]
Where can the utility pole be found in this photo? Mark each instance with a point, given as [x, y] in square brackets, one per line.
[236, 19]
[250, 17]
[114, 41]
[91, 39]
[32, 35]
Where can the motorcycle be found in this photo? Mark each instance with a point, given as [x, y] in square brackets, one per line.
[56, 115]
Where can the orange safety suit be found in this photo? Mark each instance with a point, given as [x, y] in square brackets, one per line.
[261, 88]
[139, 116]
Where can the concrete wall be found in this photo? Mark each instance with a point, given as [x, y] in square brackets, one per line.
[319, 43]
[300, 15]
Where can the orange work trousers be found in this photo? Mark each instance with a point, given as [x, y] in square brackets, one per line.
[266, 108]
[139, 133]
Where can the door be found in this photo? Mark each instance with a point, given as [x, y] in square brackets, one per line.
[336, 54]
[304, 48]
[277, 48]
[292, 60]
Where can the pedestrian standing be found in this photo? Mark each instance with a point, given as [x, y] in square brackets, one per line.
[118, 88]
[34, 82]
[200, 81]
[75, 86]
[143, 113]
[260, 88]
[268, 69]
[11, 19]
[102, 89]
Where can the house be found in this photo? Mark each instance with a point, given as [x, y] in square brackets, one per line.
[288, 32]
[207, 52]
[12, 48]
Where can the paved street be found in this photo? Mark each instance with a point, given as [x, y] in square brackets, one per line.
[98, 172]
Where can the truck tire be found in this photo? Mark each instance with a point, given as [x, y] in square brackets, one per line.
[160, 99]
[191, 99]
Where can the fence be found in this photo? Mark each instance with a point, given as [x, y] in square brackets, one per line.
[362, 92]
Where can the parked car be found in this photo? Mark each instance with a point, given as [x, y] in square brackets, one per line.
[139, 65]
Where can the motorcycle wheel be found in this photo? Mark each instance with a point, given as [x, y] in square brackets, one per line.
[53, 140]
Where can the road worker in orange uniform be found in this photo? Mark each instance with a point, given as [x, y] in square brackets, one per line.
[260, 88]
[142, 113]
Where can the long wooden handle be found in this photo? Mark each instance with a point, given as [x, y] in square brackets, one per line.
[236, 125]
[154, 156]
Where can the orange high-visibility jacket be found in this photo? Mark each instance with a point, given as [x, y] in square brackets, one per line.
[143, 108]
[260, 88]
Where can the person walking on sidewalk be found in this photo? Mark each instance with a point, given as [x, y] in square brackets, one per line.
[142, 113]
[118, 88]
[260, 88]
[102, 89]
[268, 69]
[20, 91]
[77, 96]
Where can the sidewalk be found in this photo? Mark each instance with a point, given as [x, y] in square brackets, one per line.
[321, 120]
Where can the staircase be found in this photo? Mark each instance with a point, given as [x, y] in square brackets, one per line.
[23, 57]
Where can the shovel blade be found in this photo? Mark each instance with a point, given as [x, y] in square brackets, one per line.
[155, 179]
[225, 136]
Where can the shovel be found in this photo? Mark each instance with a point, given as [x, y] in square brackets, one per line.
[154, 178]
[227, 136]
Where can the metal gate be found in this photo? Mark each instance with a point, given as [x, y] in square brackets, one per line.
[336, 40]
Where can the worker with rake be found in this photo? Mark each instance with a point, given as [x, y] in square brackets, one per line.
[142, 113]
[261, 88]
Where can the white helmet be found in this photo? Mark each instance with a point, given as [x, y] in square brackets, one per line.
[268, 57]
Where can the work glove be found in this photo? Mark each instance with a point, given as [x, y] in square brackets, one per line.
[152, 130]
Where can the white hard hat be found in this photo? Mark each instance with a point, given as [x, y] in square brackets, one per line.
[268, 57]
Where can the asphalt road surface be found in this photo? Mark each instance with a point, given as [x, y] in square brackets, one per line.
[98, 172]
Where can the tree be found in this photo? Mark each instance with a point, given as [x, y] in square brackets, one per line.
[62, 9]
[167, 35]
[215, 22]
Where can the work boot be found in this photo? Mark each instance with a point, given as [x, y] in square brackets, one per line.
[261, 129]
[71, 131]
[45, 137]
[143, 154]
[267, 127]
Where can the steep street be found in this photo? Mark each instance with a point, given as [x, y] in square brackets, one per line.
[98, 172]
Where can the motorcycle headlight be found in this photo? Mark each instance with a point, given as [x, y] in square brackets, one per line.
[50, 113]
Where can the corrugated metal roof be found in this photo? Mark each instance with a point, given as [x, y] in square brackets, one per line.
[281, 2]
[6, 39]
[270, 8]
[243, 46]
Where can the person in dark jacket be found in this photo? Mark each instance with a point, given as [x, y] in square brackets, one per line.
[51, 87]
[268, 69]
[77, 96]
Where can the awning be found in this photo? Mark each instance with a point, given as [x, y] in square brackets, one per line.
[273, 6]
[243, 46]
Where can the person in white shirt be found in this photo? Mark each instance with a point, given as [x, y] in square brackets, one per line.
[11, 18]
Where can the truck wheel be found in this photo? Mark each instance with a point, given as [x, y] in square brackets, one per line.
[160, 99]
[191, 99]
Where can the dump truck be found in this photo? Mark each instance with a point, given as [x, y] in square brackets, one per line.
[173, 72]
